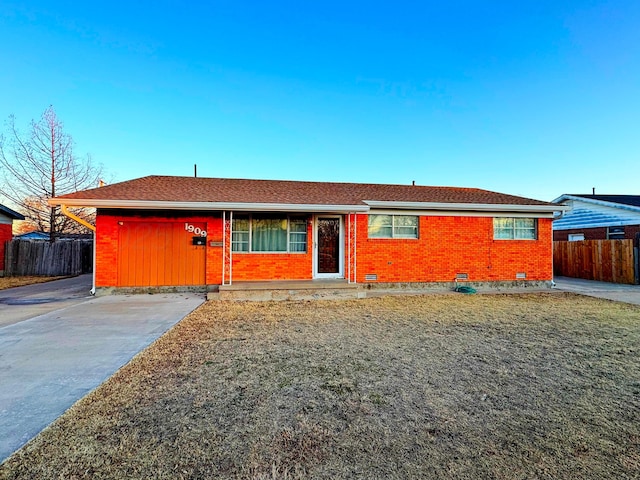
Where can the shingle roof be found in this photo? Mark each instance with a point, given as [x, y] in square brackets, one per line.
[633, 200]
[191, 189]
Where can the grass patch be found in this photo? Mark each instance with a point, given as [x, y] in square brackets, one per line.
[449, 387]
[10, 282]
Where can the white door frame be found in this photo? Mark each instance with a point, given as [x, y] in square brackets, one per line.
[340, 273]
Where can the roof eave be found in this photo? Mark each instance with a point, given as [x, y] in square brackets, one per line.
[594, 201]
[473, 207]
[217, 206]
[12, 214]
[288, 207]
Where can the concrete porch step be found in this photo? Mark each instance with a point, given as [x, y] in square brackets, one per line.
[285, 290]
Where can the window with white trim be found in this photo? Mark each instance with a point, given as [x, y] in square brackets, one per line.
[269, 234]
[240, 234]
[393, 226]
[297, 235]
[515, 229]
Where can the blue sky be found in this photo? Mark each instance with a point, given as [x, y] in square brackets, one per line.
[533, 98]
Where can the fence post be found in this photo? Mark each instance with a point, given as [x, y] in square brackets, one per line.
[636, 259]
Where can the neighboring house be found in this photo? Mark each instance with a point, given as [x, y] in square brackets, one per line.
[7, 216]
[598, 217]
[34, 235]
[177, 231]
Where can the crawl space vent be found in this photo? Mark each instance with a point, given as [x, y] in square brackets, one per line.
[462, 276]
[371, 277]
[521, 275]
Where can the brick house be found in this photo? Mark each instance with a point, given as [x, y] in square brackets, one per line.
[598, 217]
[180, 231]
[7, 217]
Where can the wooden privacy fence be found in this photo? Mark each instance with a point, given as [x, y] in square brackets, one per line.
[40, 257]
[602, 260]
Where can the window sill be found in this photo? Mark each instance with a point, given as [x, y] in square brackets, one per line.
[515, 239]
[393, 238]
[269, 253]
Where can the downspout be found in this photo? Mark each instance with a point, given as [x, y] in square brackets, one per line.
[74, 217]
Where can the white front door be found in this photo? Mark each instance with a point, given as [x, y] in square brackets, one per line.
[328, 245]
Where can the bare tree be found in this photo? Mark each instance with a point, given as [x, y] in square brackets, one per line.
[41, 164]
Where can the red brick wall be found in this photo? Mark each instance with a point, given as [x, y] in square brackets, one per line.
[450, 245]
[106, 263]
[272, 266]
[446, 246]
[5, 236]
[275, 266]
[599, 233]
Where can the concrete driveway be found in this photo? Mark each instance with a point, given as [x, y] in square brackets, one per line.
[22, 303]
[50, 360]
[610, 291]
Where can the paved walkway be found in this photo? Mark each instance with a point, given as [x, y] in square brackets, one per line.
[51, 360]
[610, 291]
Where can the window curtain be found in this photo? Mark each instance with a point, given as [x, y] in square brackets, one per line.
[525, 228]
[380, 226]
[514, 228]
[503, 228]
[405, 226]
[269, 235]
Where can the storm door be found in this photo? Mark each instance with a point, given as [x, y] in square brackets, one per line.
[329, 240]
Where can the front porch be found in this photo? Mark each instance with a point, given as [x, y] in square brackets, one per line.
[258, 248]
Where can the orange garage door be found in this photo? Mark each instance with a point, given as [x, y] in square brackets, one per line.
[160, 254]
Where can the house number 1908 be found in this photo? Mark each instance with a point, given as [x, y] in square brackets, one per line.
[193, 229]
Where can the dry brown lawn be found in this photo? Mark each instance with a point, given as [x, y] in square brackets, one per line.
[10, 282]
[445, 386]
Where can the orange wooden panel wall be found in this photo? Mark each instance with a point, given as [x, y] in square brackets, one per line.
[159, 254]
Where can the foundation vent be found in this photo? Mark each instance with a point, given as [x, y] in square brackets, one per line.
[521, 275]
[371, 277]
[462, 276]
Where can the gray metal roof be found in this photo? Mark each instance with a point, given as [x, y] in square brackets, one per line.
[633, 200]
[591, 211]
